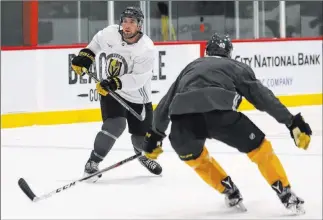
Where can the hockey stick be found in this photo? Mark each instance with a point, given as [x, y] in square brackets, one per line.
[26, 189]
[140, 117]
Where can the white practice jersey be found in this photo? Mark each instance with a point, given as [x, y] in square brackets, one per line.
[132, 63]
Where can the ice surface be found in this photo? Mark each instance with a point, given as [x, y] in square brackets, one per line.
[51, 156]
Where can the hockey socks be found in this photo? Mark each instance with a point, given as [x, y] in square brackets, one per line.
[209, 170]
[268, 163]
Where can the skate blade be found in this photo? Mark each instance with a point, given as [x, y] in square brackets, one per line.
[91, 180]
[240, 207]
[297, 210]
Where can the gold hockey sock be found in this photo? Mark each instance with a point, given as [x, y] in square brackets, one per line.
[268, 163]
[209, 170]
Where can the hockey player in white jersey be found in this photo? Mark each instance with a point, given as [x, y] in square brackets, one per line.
[129, 68]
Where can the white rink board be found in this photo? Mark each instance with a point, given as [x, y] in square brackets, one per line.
[285, 67]
[50, 84]
[43, 80]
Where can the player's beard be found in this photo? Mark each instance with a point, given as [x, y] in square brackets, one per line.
[129, 35]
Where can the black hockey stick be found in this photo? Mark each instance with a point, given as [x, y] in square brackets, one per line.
[140, 117]
[26, 189]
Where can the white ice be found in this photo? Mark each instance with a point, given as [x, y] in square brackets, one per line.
[49, 157]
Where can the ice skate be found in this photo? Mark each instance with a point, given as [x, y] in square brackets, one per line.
[233, 198]
[90, 168]
[289, 199]
[151, 165]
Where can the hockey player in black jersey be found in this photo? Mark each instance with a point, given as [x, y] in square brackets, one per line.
[202, 103]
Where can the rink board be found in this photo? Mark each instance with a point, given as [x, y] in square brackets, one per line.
[46, 90]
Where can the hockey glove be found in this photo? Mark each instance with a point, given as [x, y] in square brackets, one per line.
[300, 131]
[82, 62]
[112, 84]
[153, 144]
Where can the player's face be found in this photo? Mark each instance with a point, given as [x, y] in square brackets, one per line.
[129, 27]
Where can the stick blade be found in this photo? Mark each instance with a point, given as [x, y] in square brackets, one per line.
[26, 189]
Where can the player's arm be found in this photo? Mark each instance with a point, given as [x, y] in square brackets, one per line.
[95, 44]
[142, 71]
[86, 57]
[161, 114]
[262, 97]
[265, 100]
[153, 139]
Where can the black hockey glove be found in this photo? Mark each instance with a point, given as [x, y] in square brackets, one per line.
[82, 62]
[153, 144]
[112, 84]
[300, 131]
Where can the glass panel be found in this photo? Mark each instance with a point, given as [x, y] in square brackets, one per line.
[159, 17]
[246, 19]
[269, 19]
[311, 18]
[198, 20]
[58, 22]
[94, 18]
[12, 23]
[304, 18]
[120, 6]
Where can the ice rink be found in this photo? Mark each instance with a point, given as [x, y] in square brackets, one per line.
[51, 156]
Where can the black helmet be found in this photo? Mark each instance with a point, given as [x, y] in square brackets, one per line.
[133, 12]
[219, 45]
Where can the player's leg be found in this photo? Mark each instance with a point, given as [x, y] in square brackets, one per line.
[114, 123]
[138, 130]
[188, 135]
[237, 130]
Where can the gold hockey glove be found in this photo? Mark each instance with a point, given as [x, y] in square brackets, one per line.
[82, 62]
[153, 144]
[300, 131]
[112, 84]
